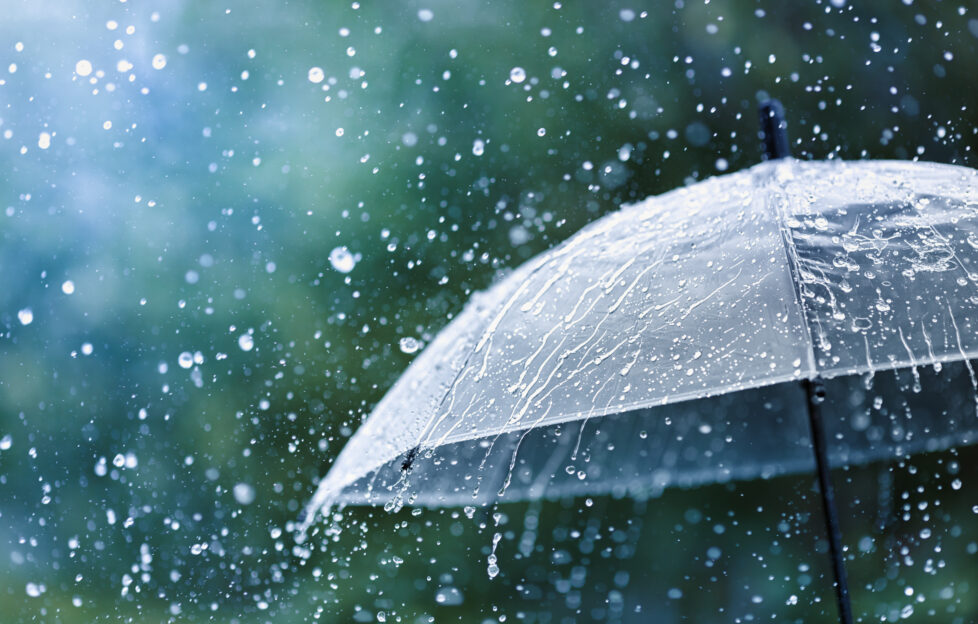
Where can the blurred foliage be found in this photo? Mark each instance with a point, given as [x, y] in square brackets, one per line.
[199, 202]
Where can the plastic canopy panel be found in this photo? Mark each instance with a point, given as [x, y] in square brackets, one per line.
[763, 277]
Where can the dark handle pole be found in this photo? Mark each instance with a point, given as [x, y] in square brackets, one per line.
[815, 391]
[774, 130]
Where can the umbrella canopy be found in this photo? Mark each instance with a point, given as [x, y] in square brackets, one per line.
[577, 372]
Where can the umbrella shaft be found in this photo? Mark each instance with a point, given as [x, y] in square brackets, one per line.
[816, 395]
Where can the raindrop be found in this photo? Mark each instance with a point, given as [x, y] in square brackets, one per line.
[6, 442]
[517, 75]
[493, 566]
[342, 260]
[246, 342]
[426, 15]
[68, 287]
[478, 147]
[25, 316]
[244, 493]
[697, 134]
[316, 75]
[409, 345]
[159, 61]
[83, 67]
[449, 596]
[185, 360]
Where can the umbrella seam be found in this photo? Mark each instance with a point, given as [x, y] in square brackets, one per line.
[791, 256]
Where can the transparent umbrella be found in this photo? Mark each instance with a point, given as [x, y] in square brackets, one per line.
[719, 331]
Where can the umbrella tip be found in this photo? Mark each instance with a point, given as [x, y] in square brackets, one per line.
[774, 130]
[409, 459]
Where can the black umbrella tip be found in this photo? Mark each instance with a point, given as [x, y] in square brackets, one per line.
[409, 459]
[774, 130]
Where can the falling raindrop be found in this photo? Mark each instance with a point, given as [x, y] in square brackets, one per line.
[25, 316]
[244, 493]
[493, 566]
[246, 342]
[517, 75]
[449, 596]
[342, 260]
[409, 345]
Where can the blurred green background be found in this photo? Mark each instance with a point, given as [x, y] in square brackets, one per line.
[218, 221]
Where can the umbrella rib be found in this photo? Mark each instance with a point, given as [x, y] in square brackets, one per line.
[815, 393]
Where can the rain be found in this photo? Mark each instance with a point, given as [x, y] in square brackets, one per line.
[501, 312]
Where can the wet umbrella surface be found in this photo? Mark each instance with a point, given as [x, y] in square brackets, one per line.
[596, 350]
[665, 345]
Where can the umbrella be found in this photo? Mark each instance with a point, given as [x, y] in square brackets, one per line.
[720, 331]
